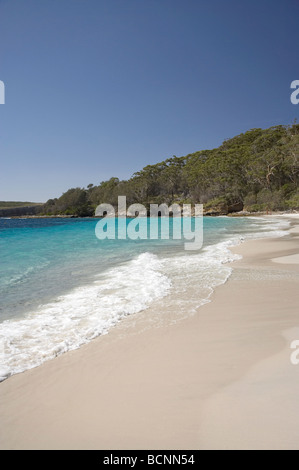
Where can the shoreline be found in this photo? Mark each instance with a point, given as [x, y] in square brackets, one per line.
[165, 388]
[291, 213]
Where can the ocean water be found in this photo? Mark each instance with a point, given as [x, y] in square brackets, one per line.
[60, 286]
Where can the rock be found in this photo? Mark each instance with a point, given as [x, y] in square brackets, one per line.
[238, 207]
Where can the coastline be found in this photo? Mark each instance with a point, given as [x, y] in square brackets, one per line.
[220, 379]
[205, 214]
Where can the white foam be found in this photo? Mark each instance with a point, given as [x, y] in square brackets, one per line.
[195, 276]
[277, 227]
[81, 315]
[199, 274]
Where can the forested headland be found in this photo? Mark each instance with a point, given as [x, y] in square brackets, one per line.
[255, 171]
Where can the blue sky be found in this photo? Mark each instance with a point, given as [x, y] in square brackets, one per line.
[101, 88]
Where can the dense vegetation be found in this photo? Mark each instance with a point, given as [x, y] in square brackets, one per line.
[13, 204]
[258, 170]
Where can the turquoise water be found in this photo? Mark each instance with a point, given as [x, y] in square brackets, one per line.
[60, 286]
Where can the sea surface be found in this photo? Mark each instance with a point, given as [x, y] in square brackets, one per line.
[60, 286]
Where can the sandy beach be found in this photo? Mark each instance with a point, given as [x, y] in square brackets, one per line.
[221, 379]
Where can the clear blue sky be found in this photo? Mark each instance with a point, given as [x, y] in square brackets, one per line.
[101, 88]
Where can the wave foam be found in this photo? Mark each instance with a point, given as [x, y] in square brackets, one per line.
[81, 315]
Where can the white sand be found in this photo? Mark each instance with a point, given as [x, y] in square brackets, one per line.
[291, 259]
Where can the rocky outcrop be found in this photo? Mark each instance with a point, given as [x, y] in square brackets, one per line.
[215, 212]
[238, 207]
[224, 209]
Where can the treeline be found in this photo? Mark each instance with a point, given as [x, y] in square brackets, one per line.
[257, 171]
[13, 204]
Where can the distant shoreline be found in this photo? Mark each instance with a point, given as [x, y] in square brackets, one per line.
[235, 214]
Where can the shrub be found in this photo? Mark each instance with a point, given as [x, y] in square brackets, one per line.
[293, 202]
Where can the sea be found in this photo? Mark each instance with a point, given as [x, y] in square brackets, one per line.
[61, 286]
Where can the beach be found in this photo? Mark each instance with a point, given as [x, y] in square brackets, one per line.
[221, 379]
